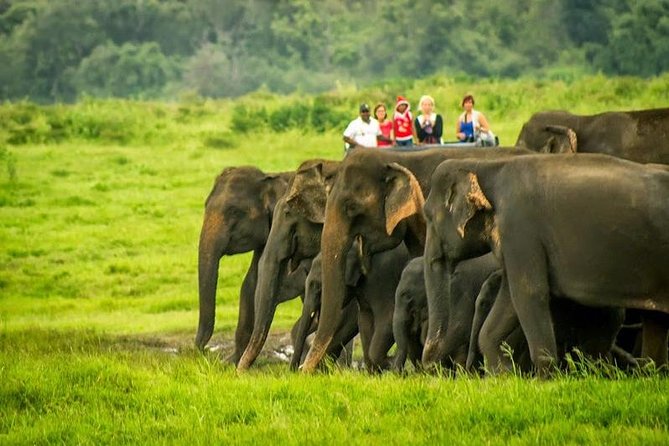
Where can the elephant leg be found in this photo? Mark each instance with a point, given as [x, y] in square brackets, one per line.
[401, 329]
[484, 303]
[246, 309]
[654, 334]
[366, 326]
[623, 359]
[295, 330]
[345, 334]
[437, 288]
[415, 351]
[519, 350]
[526, 273]
[346, 356]
[496, 328]
[382, 340]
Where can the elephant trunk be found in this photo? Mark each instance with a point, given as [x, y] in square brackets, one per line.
[437, 290]
[309, 310]
[212, 245]
[335, 245]
[266, 300]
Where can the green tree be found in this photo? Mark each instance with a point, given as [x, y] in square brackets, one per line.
[129, 70]
[52, 42]
[638, 43]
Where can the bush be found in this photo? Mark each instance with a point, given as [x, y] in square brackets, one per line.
[242, 119]
[293, 115]
[325, 116]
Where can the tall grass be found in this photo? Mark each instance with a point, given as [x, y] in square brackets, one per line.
[100, 210]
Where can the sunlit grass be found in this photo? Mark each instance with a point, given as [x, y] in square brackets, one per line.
[99, 305]
[125, 390]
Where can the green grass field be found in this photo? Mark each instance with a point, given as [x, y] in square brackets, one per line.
[98, 291]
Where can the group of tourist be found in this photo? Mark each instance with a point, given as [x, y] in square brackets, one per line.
[427, 128]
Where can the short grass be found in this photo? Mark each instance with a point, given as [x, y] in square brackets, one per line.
[98, 301]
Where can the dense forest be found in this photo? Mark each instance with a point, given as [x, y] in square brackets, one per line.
[62, 50]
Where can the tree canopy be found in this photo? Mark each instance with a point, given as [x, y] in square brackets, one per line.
[59, 50]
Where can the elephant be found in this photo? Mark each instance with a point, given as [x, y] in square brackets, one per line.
[593, 331]
[586, 227]
[466, 282]
[372, 288]
[237, 219]
[294, 238]
[377, 199]
[311, 309]
[410, 316]
[641, 136]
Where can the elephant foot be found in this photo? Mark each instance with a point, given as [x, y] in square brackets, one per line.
[316, 354]
[233, 358]
[432, 353]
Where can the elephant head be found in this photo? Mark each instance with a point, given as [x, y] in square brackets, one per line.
[460, 225]
[237, 219]
[455, 203]
[371, 202]
[295, 237]
[549, 132]
[561, 140]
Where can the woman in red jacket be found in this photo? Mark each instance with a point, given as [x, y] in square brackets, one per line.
[403, 123]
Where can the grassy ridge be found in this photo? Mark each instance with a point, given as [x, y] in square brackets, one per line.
[98, 287]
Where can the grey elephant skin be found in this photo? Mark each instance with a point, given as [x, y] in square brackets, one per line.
[410, 323]
[641, 136]
[377, 199]
[410, 316]
[592, 331]
[237, 219]
[586, 227]
[371, 287]
[294, 239]
[348, 327]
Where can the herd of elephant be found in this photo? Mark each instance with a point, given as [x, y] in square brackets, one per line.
[503, 257]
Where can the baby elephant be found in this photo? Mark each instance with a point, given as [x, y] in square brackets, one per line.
[371, 287]
[591, 330]
[410, 318]
[410, 321]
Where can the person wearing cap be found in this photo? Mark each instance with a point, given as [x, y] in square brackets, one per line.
[403, 123]
[363, 131]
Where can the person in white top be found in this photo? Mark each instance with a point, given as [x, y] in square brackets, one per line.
[363, 131]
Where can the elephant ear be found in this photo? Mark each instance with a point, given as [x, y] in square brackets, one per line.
[563, 140]
[273, 187]
[464, 199]
[307, 194]
[404, 196]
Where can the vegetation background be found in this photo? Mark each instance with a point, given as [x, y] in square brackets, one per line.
[100, 208]
[102, 186]
[63, 50]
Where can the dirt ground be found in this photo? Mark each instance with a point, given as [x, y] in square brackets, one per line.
[278, 347]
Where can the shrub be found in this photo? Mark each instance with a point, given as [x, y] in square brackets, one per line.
[242, 120]
[290, 116]
[325, 116]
